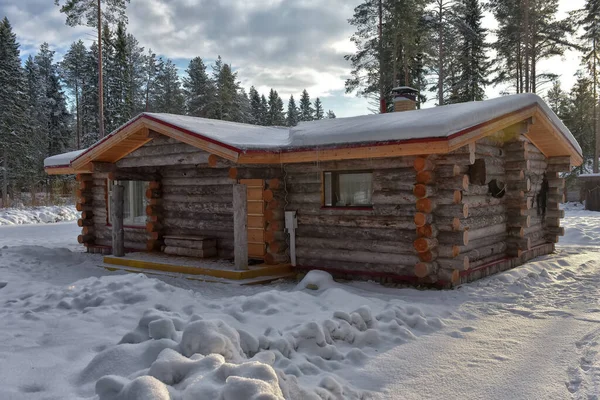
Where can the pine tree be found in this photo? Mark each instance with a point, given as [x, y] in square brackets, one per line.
[330, 114]
[256, 111]
[292, 112]
[264, 110]
[36, 133]
[307, 112]
[528, 32]
[393, 58]
[275, 115]
[589, 20]
[319, 113]
[473, 61]
[558, 100]
[73, 74]
[136, 65]
[167, 96]
[580, 116]
[244, 107]
[226, 100]
[90, 124]
[199, 89]
[149, 72]
[91, 10]
[13, 119]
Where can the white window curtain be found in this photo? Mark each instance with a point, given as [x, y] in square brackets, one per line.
[134, 202]
[355, 189]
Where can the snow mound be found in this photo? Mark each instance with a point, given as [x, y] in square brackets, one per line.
[316, 280]
[37, 215]
[236, 356]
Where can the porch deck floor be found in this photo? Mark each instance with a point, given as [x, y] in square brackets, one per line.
[214, 267]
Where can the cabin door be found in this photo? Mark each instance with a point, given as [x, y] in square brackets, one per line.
[256, 218]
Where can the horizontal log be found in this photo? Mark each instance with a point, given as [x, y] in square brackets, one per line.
[518, 243]
[453, 238]
[393, 197]
[85, 238]
[424, 269]
[134, 174]
[450, 171]
[220, 180]
[460, 182]
[274, 259]
[173, 149]
[520, 146]
[352, 165]
[454, 210]
[498, 229]
[357, 221]
[303, 198]
[488, 150]
[198, 207]
[476, 212]
[181, 241]
[425, 177]
[477, 254]
[448, 251]
[355, 267]
[555, 213]
[472, 223]
[200, 190]
[83, 177]
[517, 165]
[477, 190]
[559, 160]
[451, 276]
[277, 247]
[376, 246]
[428, 256]
[394, 179]
[191, 230]
[187, 252]
[523, 185]
[390, 235]
[460, 263]
[485, 261]
[255, 173]
[514, 175]
[181, 172]
[298, 178]
[522, 221]
[160, 160]
[459, 159]
[357, 256]
[480, 243]
[222, 224]
[224, 198]
[555, 231]
[85, 222]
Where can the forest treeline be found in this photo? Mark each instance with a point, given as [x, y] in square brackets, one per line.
[439, 47]
[50, 106]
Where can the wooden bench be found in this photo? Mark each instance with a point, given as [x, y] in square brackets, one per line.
[190, 246]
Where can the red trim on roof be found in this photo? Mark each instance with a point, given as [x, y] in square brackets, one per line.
[58, 166]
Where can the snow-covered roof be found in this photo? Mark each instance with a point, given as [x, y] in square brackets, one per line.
[62, 160]
[235, 134]
[378, 129]
[427, 123]
[584, 176]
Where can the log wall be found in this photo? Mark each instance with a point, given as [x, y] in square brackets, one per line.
[361, 241]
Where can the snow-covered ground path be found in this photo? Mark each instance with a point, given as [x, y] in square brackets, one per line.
[529, 333]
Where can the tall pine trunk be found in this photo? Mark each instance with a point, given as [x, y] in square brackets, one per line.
[441, 55]
[526, 36]
[100, 83]
[596, 146]
[382, 105]
[78, 114]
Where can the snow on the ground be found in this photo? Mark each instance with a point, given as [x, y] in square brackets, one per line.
[37, 215]
[72, 330]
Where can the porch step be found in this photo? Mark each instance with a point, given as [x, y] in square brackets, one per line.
[252, 272]
[201, 278]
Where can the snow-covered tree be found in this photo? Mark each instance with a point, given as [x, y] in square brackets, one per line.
[275, 115]
[264, 109]
[257, 116]
[227, 105]
[319, 113]
[73, 74]
[330, 114]
[307, 112]
[166, 93]
[292, 115]
[199, 89]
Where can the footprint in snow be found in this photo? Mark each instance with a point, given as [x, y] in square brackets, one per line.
[3, 284]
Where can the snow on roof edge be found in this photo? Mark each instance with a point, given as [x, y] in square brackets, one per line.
[62, 160]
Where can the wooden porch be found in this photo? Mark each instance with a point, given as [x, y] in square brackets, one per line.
[217, 270]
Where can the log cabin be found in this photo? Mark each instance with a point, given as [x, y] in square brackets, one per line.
[431, 197]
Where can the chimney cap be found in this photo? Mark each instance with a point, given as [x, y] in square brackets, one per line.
[404, 89]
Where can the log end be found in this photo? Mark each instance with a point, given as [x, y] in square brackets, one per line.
[268, 195]
[425, 177]
[213, 160]
[466, 210]
[274, 183]
[422, 164]
[424, 269]
[457, 197]
[465, 238]
[424, 205]
[420, 219]
[427, 256]
[233, 172]
[456, 224]
[425, 231]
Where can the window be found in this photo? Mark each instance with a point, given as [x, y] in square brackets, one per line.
[134, 198]
[348, 189]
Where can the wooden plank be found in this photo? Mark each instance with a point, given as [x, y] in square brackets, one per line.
[256, 250]
[256, 221]
[253, 183]
[240, 226]
[256, 207]
[256, 235]
[255, 194]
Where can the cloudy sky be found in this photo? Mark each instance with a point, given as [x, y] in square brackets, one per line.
[285, 44]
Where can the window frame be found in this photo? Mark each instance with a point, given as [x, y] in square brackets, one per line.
[126, 223]
[335, 189]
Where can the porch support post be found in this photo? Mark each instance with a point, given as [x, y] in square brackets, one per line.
[240, 226]
[118, 234]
